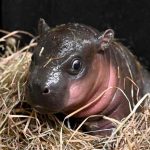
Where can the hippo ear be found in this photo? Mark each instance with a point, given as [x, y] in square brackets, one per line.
[105, 39]
[42, 26]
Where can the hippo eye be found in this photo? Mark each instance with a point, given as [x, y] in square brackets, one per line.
[76, 65]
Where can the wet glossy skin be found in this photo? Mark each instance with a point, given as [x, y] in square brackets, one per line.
[51, 71]
[73, 65]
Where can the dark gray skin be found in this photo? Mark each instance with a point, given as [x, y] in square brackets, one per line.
[73, 64]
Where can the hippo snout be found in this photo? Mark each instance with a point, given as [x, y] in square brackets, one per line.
[44, 98]
[46, 90]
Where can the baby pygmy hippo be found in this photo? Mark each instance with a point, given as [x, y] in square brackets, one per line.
[75, 67]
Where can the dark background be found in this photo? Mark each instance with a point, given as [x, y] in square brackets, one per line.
[129, 18]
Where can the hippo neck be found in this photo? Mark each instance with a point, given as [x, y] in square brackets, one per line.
[104, 91]
[124, 73]
[130, 68]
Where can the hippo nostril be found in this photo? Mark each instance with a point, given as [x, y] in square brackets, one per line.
[46, 90]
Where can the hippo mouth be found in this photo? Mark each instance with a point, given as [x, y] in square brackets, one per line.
[43, 110]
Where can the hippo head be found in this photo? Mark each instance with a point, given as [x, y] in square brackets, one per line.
[64, 72]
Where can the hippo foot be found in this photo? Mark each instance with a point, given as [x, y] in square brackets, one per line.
[98, 127]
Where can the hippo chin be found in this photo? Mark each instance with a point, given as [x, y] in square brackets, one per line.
[75, 66]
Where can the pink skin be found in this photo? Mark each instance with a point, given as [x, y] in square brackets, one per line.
[88, 89]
